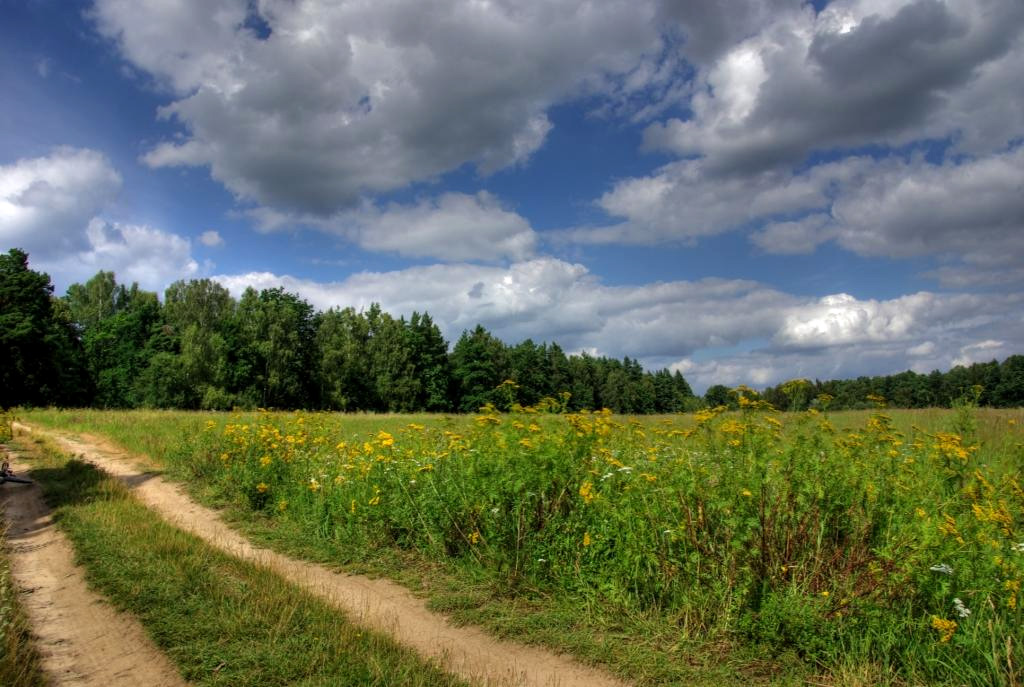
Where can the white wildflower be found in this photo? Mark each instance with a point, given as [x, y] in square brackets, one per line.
[961, 610]
[1019, 547]
[942, 568]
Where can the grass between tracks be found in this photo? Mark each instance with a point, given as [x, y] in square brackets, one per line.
[222, 621]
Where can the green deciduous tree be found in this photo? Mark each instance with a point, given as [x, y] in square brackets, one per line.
[42, 358]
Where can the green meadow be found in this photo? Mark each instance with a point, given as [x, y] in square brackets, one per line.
[857, 547]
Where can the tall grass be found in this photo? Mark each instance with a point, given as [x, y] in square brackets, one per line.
[889, 543]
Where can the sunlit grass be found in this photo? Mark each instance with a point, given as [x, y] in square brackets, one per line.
[821, 539]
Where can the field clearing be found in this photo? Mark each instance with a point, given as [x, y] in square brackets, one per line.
[863, 546]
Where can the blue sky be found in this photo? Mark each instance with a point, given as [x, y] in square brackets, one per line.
[746, 192]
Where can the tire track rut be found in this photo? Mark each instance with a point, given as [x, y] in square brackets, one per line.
[82, 640]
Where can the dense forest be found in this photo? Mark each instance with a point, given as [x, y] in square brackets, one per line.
[108, 345]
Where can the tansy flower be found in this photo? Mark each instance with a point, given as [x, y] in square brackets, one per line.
[586, 492]
[944, 627]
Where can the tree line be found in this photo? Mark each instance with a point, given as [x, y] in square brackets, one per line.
[109, 345]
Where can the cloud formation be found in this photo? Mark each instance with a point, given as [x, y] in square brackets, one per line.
[453, 227]
[781, 97]
[334, 101]
[135, 253]
[50, 207]
[46, 202]
[857, 73]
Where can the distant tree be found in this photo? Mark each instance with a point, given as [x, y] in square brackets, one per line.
[94, 301]
[431, 367]
[1010, 390]
[117, 346]
[719, 395]
[479, 364]
[276, 336]
[395, 387]
[341, 359]
[41, 354]
[583, 382]
[528, 367]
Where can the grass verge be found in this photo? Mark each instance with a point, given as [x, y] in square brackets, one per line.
[221, 620]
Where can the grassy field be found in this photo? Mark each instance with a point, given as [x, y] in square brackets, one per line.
[221, 620]
[722, 547]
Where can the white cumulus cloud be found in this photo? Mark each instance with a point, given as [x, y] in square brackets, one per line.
[51, 207]
[335, 101]
[46, 202]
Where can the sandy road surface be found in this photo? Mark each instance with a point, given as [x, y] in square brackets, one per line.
[379, 604]
[82, 640]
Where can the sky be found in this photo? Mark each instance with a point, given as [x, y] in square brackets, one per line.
[746, 192]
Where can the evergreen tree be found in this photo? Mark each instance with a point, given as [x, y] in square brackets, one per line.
[479, 365]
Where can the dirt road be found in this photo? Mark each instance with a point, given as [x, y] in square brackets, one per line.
[82, 640]
[379, 604]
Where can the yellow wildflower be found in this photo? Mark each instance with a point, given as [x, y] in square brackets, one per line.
[1012, 586]
[944, 627]
[262, 487]
[586, 492]
[586, 538]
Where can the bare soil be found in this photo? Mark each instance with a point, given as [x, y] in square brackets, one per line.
[82, 640]
[375, 603]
